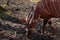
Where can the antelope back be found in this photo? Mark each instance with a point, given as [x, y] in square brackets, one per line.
[47, 9]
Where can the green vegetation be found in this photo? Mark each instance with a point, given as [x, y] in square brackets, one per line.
[4, 12]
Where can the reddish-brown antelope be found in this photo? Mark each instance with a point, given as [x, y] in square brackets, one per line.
[46, 9]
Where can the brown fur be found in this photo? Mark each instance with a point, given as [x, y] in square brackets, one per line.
[46, 9]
